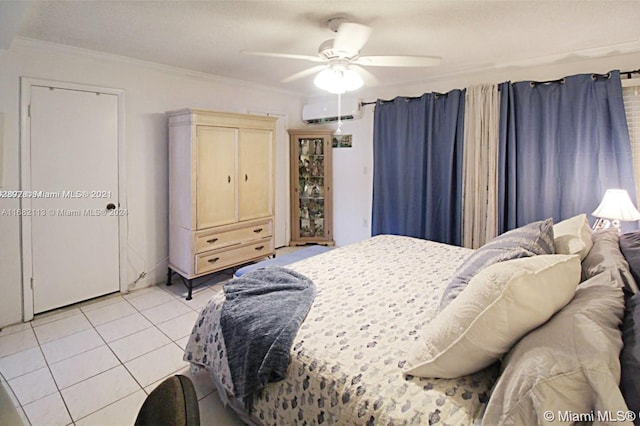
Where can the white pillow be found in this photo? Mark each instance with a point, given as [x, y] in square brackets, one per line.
[501, 303]
[573, 236]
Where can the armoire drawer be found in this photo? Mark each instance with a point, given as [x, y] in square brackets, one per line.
[206, 262]
[211, 240]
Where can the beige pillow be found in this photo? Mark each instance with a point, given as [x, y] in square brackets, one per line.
[568, 365]
[501, 304]
[573, 236]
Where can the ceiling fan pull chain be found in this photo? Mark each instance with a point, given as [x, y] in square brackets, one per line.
[339, 129]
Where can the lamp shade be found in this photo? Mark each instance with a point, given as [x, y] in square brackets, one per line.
[616, 205]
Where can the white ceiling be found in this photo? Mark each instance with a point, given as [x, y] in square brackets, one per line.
[208, 36]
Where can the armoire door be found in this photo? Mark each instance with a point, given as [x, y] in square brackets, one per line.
[73, 158]
[216, 176]
[255, 174]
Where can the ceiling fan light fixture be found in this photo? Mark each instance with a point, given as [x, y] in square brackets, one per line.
[352, 80]
[337, 80]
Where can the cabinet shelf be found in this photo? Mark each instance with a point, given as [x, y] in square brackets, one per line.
[311, 201]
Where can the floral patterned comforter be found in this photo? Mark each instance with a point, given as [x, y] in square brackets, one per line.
[373, 298]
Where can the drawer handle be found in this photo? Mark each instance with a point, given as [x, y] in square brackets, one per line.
[214, 260]
[259, 248]
[211, 241]
[257, 230]
[246, 177]
[228, 179]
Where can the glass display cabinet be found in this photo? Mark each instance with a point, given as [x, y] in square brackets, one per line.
[311, 188]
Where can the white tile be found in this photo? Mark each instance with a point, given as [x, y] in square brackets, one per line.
[99, 391]
[61, 328]
[155, 365]
[212, 412]
[179, 327]
[48, 411]
[10, 329]
[21, 363]
[56, 315]
[135, 292]
[121, 412]
[138, 344]
[199, 300]
[71, 345]
[183, 342]
[177, 289]
[33, 386]
[17, 342]
[110, 312]
[123, 327]
[166, 311]
[100, 302]
[150, 298]
[83, 366]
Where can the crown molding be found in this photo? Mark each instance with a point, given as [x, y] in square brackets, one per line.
[28, 43]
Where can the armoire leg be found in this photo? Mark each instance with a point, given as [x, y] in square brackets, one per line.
[190, 287]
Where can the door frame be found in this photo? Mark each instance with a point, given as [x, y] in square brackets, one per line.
[26, 84]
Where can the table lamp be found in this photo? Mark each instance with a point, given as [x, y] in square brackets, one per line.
[616, 207]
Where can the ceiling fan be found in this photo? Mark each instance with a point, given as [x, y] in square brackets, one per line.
[342, 66]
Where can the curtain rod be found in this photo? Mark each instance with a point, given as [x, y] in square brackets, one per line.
[627, 74]
[406, 98]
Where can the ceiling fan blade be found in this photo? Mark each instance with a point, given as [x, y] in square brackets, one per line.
[351, 37]
[304, 73]
[398, 61]
[283, 55]
[368, 78]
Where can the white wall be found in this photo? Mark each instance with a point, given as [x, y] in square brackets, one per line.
[353, 168]
[352, 183]
[150, 91]
[153, 89]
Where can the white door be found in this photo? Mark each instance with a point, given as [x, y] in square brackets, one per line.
[74, 163]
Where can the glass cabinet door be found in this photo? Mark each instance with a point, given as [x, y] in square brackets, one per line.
[311, 204]
[311, 189]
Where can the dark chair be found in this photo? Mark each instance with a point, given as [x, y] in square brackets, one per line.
[172, 403]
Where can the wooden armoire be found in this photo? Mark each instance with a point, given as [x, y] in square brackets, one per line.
[221, 191]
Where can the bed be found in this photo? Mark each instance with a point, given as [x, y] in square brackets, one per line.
[349, 358]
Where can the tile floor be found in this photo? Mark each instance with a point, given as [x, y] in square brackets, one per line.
[94, 363]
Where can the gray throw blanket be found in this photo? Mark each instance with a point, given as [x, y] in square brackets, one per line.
[260, 318]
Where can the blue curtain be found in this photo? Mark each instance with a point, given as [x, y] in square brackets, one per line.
[417, 159]
[562, 145]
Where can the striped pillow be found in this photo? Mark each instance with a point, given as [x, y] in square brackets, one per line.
[528, 240]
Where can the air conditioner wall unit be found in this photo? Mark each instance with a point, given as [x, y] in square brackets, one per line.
[327, 112]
